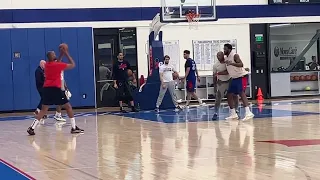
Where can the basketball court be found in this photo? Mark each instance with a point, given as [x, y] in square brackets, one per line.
[281, 142]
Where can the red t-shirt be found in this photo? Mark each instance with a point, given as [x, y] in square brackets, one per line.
[52, 72]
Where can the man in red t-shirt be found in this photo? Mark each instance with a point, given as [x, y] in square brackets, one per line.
[52, 93]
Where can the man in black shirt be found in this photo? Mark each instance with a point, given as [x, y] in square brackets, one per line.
[121, 82]
[39, 76]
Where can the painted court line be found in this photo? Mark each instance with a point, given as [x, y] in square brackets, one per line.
[16, 169]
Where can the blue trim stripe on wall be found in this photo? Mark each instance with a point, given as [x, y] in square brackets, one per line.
[147, 13]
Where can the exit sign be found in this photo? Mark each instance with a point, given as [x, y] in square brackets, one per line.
[258, 38]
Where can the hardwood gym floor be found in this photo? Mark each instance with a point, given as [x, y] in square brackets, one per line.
[281, 142]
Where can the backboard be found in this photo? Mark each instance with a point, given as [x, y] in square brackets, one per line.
[173, 11]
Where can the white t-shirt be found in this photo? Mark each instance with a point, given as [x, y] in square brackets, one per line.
[220, 67]
[234, 72]
[167, 71]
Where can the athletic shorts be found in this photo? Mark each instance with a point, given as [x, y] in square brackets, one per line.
[238, 85]
[54, 96]
[222, 88]
[245, 82]
[191, 85]
[124, 92]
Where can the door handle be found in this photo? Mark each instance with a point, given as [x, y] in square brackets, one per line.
[11, 65]
[146, 48]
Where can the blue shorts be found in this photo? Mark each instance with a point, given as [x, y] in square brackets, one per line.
[191, 85]
[238, 85]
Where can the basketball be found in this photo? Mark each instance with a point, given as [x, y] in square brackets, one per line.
[130, 72]
[175, 76]
[302, 78]
[308, 77]
[64, 46]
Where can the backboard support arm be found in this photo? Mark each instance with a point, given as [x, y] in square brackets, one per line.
[156, 25]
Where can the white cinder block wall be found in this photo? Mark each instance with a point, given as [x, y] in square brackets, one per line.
[222, 29]
[185, 37]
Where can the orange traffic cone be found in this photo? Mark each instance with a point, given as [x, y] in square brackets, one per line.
[259, 99]
[260, 105]
[259, 94]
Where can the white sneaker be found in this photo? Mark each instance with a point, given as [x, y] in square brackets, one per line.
[232, 116]
[248, 116]
[202, 104]
[59, 125]
[178, 108]
[59, 118]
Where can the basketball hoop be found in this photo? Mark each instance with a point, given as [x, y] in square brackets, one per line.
[193, 19]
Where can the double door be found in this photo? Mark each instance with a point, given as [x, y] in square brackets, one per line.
[107, 45]
[21, 51]
[16, 77]
[106, 52]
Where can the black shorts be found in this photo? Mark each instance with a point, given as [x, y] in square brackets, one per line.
[54, 96]
[124, 92]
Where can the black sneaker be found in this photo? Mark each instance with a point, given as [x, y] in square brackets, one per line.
[133, 109]
[178, 108]
[215, 117]
[76, 130]
[122, 110]
[31, 131]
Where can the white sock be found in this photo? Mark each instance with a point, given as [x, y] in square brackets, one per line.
[200, 101]
[34, 123]
[73, 123]
[58, 114]
[247, 110]
[38, 110]
[233, 111]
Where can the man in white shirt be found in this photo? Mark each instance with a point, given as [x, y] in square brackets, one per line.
[238, 83]
[221, 82]
[165, 71]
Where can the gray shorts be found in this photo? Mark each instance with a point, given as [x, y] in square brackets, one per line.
[222, 88]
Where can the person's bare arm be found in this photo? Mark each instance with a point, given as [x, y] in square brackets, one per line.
[71, 63]
[161, 77]
[214, 73]
[237, 61]
[60, 56]
[65, 85]
[187, 72]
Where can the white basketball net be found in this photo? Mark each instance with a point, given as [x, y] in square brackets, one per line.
[193, 20]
